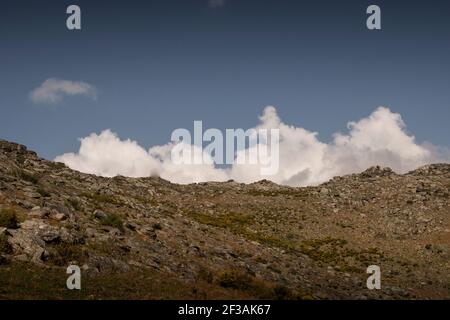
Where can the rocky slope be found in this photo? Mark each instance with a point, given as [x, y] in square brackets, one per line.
[148, 238]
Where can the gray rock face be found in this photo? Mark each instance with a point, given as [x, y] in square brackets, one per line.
[27, 241]
[99, 214]
[48, 234]
[377, 171]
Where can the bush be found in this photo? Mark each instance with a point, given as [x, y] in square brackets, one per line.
[5, 246]
[205, 275]
[112, 220]
[74, 203]
[63, 253]
[258, 288]
[234, 279]
[157, 226]
[56, 165]
[99, 198]
[8, 219]
[43, 192]
[282, 293]
[22, 174]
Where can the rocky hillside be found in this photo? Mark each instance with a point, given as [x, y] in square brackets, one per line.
[148, 238]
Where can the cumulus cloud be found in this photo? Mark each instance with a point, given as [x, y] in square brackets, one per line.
[379, 139]
[107, 155]
[53, 91]
[186, 173]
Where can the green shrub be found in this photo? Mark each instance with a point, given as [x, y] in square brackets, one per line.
[63, 253]
[234, 279]
[205, 275]
[56, 165]
[74, 203]
[283, 293]
[21, 174]
[157, 226]
[99, 198]
[5, 246]
[260, 259]
[43, 192]
[8, 219]
[258, 288]
[112, 220]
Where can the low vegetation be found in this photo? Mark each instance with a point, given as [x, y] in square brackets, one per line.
[22, 174]
[258, 288]
[101, 199]
[112, 220]
[5, 246]
[74, 203]
[43, 192]
[156, 226]
[56, 165]
[8, 219]
[62, 254]
[20, 280]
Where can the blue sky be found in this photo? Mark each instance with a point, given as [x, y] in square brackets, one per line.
[160, 65]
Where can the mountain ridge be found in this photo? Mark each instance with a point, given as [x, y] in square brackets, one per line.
[226, 239]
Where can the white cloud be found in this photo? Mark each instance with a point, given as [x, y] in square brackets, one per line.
[53, 91]
[106, 155]
[379, 139]
[186, 173]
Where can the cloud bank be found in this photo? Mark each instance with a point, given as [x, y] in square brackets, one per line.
[53, 91]
[379, 139]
